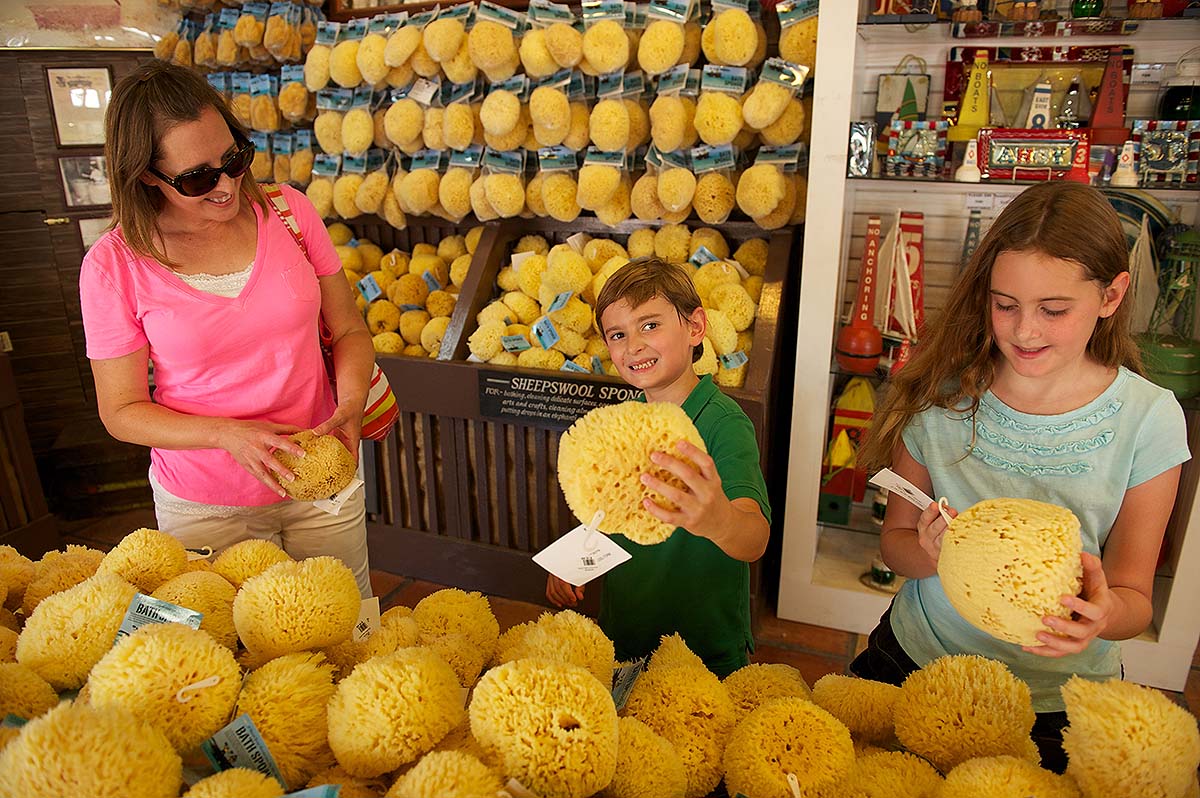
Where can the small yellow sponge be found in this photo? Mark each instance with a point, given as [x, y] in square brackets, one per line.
[718, 117]
[326, 468]
[605, 46]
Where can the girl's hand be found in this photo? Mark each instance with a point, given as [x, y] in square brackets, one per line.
[931, 528]
[701, 502]
[1089, 617]
[562, 594]
[253, 443]
[345, 424]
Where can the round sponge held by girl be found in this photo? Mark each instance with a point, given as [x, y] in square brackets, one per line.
[326, 468]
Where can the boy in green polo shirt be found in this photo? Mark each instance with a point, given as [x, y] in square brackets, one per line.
[697, 582]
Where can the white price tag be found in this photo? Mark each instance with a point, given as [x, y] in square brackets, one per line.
[333, 505]
[1146, 75]
[519, 257]
[741, 270]
[368, 619]
[887, 478]
[978, 201]
[578, 241]
[582, 554]
[423, 91]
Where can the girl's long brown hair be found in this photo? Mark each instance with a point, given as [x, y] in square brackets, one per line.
[954, 365]
[144, 105]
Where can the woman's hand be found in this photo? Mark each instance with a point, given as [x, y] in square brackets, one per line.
[1090, 612]
[345, 424]
[253, 445]
[931, 528]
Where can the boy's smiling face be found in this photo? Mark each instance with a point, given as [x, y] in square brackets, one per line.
[651, 346]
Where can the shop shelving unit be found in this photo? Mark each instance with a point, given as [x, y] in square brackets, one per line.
[821, 564]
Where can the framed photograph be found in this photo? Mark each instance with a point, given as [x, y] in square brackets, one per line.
[92, 229]
[78, 99]
[85, 181]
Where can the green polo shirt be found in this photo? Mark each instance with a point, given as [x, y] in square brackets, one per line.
[687, 584]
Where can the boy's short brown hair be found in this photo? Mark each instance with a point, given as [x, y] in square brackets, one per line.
[642, 279]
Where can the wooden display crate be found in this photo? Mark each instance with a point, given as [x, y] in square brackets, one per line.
[459, 497]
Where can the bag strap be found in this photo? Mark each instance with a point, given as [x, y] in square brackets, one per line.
[279, 204]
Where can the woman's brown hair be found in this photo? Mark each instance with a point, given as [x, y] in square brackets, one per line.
[955, 363]
[144, 105]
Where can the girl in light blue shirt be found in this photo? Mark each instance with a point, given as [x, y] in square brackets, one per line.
[1028, 386]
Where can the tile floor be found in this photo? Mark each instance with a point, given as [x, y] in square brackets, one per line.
[813, 650]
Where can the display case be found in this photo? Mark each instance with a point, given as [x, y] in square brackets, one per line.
[822, 562]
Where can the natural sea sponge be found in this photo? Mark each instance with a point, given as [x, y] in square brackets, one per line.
[863, 705]
[896, 773]
[752, 255]
[369, 58]
[419, 190]
[960, 707]
[616, 442]
[689, 707]
[172, 676]
[56, 572]
[431, 130]
[458, 126]
[433, 333]
[287, 699]
[535, 55]
[647, 765]
[8, 644]
[345, 189]
[618, 207]
[660, 47]
[718, 118]
[388, 343]
[550, 110]
[326, 468]
[760, 190]
[145, 558]
[1124, 739]
[798, 43]
[565, 44]
[454, 611]
[505, 193]
[787, 736]
[609, 125]
[640, 243]
[551, 725]
[371, 192]
[1007, 563]
[734, 37]
[721, 332]
[673, 652]
[404, 121]
[442, 38]
[501, 111]
[575, 316]
[579, 132]
[247, 558]
[787, 127]
[671, 242]
[79, 750]
[782, 215]
[401, 45]
[559, 191]
[753, 685]
[1009, 777]
[525, 307]
[537, 358]
[564, 636]
[598, 251]
[485, 342]
[668, 122]
[644, 202]
[343, 64]
[605, 46]
[391, 710]
[491, 45]
[328, 129]
[765, 104]
[447, 773]
[209, 594]
[238, 782]
[23, 693]
[70, 631]
[676, 187]
[16, 571]
[734, 301]
[293, 606]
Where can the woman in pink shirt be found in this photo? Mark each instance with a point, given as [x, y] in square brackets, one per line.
[199, 277]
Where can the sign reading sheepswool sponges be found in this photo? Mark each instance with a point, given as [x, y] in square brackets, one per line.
[1006, 563]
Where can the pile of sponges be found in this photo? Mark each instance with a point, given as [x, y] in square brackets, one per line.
[542, 312]
[437, 702]
[413, 294]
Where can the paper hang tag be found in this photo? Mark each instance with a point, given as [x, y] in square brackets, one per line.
[582, 554]
[333, 505]
[239, 745]
[369, 289]
[578, 241]
[324, 791]
[520, 257]
[515, 789]
[145, 610]
[739, 268]
[887, 478]
[368, 619]
[624, 678]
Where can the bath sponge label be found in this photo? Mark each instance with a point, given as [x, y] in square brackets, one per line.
[12, 721]
[423, 91]
[610, 85]
[543, 13]
[510, 19]
[670, 10]
[776, 70]
[368, 619]
[239, 745]
[543, 330]
[792, 11]
[572, 366]
[733, 360]
[731, 80]
[712, 159]
[327, 32]
[431, 281]
[369, 289]
[557, 159]
[786, 158]
[701, 256]
[470, 158]
[581, 555]
[324, 791]
[561, 300]
[514, 343]
[145, 610]
[624, 678]
[598, 10]
[597, 365]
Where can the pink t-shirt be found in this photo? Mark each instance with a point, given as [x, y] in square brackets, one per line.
[252, 357]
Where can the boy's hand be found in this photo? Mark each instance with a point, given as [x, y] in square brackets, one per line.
[1090, 613]
[703, 508]
[562, 594]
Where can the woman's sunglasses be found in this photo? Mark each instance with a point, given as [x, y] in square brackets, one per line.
[198, 182]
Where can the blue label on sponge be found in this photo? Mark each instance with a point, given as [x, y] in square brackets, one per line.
[701, 256]
[369, 289]
[571, 365]
[145, 610]
[543, 329]
[560, 301]
[239, 745]
[430, 281]
[514, 343]
[733, 360]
